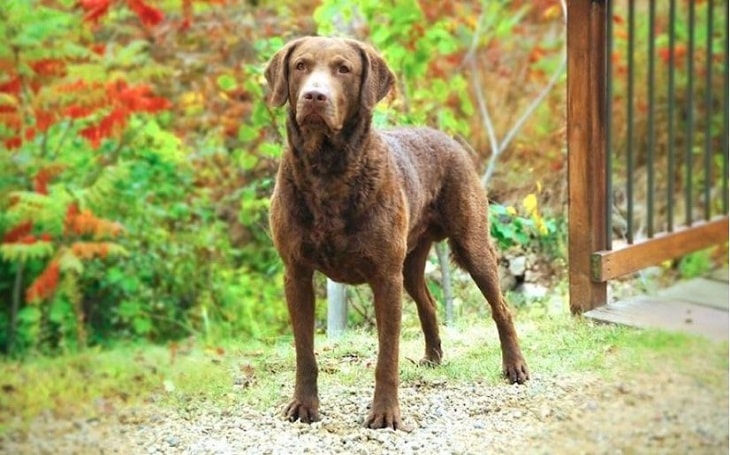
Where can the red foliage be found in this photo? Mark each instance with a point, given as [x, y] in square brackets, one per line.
[98, 48]
[138, 98]
[90, 250]
[44, 119]
[112, 102]
[76, 111]
[680, 51]
[44, 175]
[18, 232]
[13, 142]
[125, 100]
[49, 67]
[45, 285]
[109, 124]
[81, 222]
[148, 15]
[95, 9]
[12, 86]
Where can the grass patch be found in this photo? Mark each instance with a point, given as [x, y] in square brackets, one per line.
[261, 375]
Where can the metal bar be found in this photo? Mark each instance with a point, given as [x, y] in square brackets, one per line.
[671, 116]
[726, 101]
[607, 265]
[608, 165]
[586, 148]
[630, 129]
[651, 133]
[689, 140]
[708, 113]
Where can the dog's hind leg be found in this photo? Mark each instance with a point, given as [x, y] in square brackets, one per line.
[473, 250]
[415, 284]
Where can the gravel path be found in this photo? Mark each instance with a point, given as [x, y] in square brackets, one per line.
[668, 413]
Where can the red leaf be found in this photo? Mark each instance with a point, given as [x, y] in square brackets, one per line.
[76, 111]
[44, 119]
[137, 98]
[29, 239]
[680, 51]
[98, 48]
[90, 250]
[107, 126]
[84, 222]
[94, 9]
[147, 14]
[72, 210]
[93, 135]
[49, 67]
[13, 142]
[45, 285]
[12, 86]
[44, 175]
[18, 232]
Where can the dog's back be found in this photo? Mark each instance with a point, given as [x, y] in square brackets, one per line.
[439, 178]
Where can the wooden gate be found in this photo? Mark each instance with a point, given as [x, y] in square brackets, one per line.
[647, 126]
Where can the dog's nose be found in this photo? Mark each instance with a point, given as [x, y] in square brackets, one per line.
[315, 96]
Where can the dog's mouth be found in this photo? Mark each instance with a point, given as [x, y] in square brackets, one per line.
[317, 119]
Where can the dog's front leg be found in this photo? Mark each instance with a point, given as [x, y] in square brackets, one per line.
[385, 411]
[300, 300]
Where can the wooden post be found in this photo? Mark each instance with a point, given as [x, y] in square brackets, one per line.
[336, 309]
[586, 149]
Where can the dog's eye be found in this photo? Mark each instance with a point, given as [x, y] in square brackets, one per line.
[300, 66]
[343, 69]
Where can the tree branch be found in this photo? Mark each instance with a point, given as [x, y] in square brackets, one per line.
[499, 147]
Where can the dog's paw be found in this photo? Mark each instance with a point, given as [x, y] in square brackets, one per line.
[432, 358]
[298, 410]
[516, 371]
[386, 417]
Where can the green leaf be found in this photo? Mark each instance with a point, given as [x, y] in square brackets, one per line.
[15, 252]
[142, 325]
[226, 82]
[247, 161]
[247, 133]
[29, 314]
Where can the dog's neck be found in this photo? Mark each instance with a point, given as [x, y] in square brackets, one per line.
[326, 154]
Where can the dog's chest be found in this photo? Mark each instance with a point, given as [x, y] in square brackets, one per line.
[331, 239]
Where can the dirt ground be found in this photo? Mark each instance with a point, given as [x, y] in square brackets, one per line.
[571, 413]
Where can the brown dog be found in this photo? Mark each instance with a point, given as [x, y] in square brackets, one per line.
[364, 206]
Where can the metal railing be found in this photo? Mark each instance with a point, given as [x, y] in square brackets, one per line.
[647, 136]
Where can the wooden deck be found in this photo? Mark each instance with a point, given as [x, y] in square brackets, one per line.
[698, 306]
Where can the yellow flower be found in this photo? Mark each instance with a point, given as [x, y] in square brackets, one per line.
[530, 203]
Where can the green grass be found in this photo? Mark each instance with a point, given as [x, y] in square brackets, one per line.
[261, 375]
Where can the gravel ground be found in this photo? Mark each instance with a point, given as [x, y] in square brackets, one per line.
[578, 413]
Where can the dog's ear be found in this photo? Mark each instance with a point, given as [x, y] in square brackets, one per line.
[277, 74]
[377, 79]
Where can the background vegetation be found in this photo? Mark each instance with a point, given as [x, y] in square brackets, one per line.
[137, 154]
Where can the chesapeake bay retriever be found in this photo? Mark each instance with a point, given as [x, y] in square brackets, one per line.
[365, 206]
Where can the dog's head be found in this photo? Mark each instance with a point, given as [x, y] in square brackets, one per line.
[327, 80]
